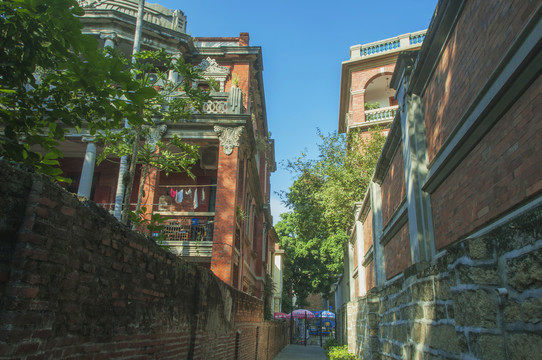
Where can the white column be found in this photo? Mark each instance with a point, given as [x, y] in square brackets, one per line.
[173, 75]
[361, 252]
[420, 221]
[87, 174]
[378, 249]
[119, 195]
[109, 39]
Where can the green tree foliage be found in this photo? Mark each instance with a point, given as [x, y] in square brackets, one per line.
[322, 199]
[51, 77]
[54, 79]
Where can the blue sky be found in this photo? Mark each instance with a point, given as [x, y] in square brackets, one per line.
[303, 44]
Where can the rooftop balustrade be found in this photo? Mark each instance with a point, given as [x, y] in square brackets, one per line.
[399, 43]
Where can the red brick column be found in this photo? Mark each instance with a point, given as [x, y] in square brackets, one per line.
[225, 213]
[151, 191]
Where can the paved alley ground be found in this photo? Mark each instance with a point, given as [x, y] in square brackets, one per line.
[295, 352]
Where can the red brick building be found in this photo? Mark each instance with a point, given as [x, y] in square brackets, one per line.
[222, 218]
[366, 97]
[454, 194]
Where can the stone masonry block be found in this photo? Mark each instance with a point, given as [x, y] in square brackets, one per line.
[443, 337]
[478, 275]
[435, 312]
[443, 288]
[532, 309]
[524, 346]
[512, 312]
[418, 333]
[423, 291]
[412, 312]
[479, 248]
[487, 346]
[476, 308]
[399, 333]
[525, 272]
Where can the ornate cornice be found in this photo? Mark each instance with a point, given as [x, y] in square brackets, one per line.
[155, 134]
[229, 137]
[211, 68]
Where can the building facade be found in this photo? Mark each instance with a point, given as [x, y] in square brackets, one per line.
[221, 219]
[367, 100]
[366, 97]
[440, 261]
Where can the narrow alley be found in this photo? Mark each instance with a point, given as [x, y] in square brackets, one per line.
[299, 352]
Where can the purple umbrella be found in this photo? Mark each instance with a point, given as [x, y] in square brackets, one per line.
[281, 315]
[301, 313]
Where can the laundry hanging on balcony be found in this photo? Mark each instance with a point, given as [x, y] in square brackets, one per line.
[179, 196]
[196, 198]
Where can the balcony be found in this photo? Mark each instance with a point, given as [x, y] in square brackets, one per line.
[381, 114]
[190, 236]
[189, 223]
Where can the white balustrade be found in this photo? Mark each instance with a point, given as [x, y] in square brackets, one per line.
[401, 42]
[386, 113]
[214, 107]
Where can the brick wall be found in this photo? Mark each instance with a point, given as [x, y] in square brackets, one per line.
[370, 275]
[472, 288]
[500, 172]
[483, 34]
[397, 253]
[74, 283]
[393, 186]
[481, 300]
[367, 232]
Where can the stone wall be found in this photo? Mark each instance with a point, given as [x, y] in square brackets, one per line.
[480, 299]
[74, 283]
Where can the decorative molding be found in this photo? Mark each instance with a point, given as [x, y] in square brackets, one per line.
[154, 13]
[229, 137]
[155, 134]
[396, 223]
[211, 69]
[87, 138]
[392, 144]
[368, 257]
[108, 35]
[234, 104]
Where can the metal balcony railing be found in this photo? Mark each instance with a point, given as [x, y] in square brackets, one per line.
[189, 229]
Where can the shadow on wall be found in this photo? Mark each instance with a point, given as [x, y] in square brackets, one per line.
[479, 300]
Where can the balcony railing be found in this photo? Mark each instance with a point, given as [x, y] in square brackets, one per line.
[189, 229]
[216, 105]
[189, 236]
[185, 235]
[401, 42]
[382, 114]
